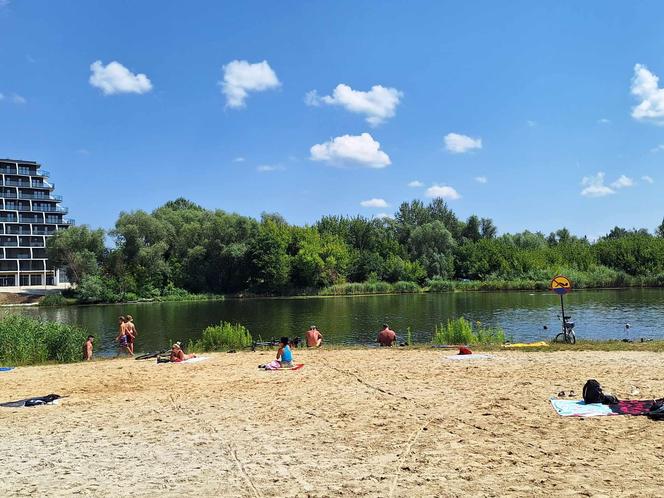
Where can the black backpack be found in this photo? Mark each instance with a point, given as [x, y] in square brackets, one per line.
[592, 393]
[657, 410]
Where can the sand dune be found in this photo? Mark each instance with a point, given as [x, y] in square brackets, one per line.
[355, 422]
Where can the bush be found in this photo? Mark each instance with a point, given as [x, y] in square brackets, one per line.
[403, 287]
[440, 285]
[53, 300]
[26, 341]
[221, 337]
[460, 331]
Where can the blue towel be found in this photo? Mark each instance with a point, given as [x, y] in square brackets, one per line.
[6, 369]
[579, 408]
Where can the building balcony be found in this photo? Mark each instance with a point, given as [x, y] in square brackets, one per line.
[8, 195]
[27, 171]
[31, 219]
[39, 196]
[53, 209]
[20, 231]
[43, 172]
[7, 170]
[8, 219]
[8, 243]
[37, 231]
[14, 183]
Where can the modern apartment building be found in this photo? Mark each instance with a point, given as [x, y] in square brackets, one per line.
[29, 213]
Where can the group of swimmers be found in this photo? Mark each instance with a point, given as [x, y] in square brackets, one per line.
[314, 338]
[126, 335]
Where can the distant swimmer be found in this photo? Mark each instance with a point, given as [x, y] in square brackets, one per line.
[314, 337]
[387, 336]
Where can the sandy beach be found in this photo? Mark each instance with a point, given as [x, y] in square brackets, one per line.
[351, 422]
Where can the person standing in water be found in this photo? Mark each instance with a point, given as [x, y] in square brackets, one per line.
[122, 340]
[87, 348]
[131, 333]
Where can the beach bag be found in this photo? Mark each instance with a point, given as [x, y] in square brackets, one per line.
[657, 410]
[592, 393]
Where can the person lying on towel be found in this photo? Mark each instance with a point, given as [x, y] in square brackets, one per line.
[284, 357]
[178, 355]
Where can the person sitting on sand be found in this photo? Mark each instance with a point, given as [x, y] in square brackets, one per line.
[314, 337]
[177, 355]
[122, 339]
[284, 357]
[387, 336]
[131, 333]
[87, 348]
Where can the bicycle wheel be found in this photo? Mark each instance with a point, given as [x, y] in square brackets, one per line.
[571, 337]
[560, 338]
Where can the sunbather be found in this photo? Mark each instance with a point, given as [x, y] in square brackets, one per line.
[177, 355]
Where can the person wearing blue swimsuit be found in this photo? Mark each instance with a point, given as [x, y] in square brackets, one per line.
[285, 355]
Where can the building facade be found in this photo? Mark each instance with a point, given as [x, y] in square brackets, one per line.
[30, 212]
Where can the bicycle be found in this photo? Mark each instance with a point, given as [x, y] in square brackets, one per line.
[567, 335]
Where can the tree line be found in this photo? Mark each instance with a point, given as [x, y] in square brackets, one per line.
[182, 247]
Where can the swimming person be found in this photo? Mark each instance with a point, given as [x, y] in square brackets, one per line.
[314, 337]
[284, 357]
[131, 333]
[87, 348]
[121, 339]
[177, 355]
[387, 336]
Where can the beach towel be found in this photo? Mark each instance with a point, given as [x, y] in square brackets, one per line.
[275, 366]
[6, 369]
[540, 344]
[196, 360]
[473, 356]
[50, 399]
[578, 408]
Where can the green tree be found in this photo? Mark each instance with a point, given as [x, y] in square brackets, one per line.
[79, 250]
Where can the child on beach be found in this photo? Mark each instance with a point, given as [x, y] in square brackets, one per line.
[284, 357]
[87, 348]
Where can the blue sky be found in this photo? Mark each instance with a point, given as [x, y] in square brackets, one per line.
[532, 98]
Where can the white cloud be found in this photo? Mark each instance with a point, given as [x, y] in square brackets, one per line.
[594, 186]
[415, 184]
[14, 98]
[645, 86]
[458, 144]
[374, 203]
[361, 149]
[239, 160]
[242, 77]
[444, 191]
[648, 179]
[378, 104]
[623, 182]
[604, 121]
[481, 179]
[658, 148]
[115, 78]
[266, 168]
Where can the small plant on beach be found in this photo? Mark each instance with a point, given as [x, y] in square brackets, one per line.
[409, 337]
[221, 337]
[461, 331]
[26, 341]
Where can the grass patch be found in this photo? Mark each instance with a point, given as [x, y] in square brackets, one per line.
[461, 331]
[222, 337]
[56, 300]
[28, 341]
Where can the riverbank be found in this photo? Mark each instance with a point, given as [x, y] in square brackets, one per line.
[386, 422]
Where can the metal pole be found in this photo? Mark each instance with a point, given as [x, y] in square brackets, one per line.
[562, 307]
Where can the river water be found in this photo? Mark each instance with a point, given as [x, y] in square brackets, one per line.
[356, 320]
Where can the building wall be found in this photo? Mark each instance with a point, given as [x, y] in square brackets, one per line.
[30, 212]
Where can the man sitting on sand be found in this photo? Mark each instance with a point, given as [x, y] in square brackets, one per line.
[177, 355]
[314, 337]
[387, 336]
[87, 348]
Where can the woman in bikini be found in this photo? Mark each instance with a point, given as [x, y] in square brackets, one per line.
[177, 355]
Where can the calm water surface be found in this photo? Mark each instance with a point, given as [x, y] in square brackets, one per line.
[355, 320]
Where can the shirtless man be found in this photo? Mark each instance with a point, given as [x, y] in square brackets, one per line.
[387, 336]
[131, 332]
[122, 339]
[314, 337]
[87, 348]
